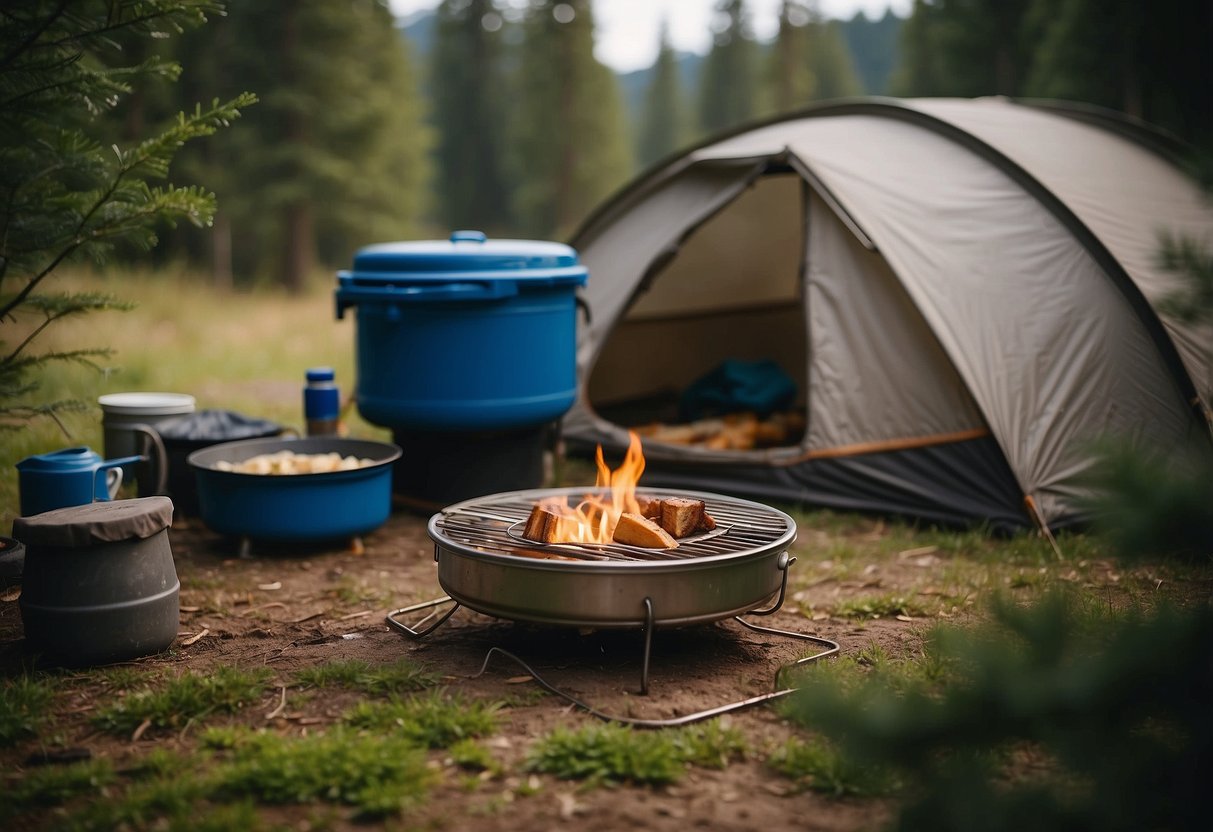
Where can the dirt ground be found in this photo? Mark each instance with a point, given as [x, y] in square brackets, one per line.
[288, 608]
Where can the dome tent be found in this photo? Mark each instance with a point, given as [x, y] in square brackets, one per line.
[966, 293]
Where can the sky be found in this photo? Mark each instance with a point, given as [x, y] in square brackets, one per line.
[627, 29]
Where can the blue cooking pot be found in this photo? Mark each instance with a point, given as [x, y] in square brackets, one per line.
[465, 334]
[68, 477]
[296, 507]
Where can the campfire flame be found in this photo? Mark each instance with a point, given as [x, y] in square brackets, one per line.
[593, 519]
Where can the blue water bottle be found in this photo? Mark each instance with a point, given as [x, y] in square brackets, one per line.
[321, 402]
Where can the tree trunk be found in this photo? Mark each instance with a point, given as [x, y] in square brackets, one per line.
[300, 243]
[298, 231]
[221, 252]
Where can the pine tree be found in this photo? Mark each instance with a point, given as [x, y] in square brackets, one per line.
[337, 155]
[1150, 61]
[663, 127]
[64, 197]
[967, 47]
[790, 80]
[921, 69]
[830, 62]
[570, 139]
[728, 86]
[874, 47]
[467, 77]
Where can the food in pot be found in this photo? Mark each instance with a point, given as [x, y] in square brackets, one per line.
[289, 462]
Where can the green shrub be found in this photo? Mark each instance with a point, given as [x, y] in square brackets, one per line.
[1118, 707]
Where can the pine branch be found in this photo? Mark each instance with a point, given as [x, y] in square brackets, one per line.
[32, 37]
[15, 417]
[83, 357]
[150, 156]
[58, 307]
[1193, 263]
[62, 196]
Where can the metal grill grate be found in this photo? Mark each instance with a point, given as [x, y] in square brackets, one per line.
[494, 524]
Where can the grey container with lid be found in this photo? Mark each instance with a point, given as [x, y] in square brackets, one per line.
[100, 585]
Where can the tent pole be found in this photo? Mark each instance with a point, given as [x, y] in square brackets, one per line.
[1041, 524]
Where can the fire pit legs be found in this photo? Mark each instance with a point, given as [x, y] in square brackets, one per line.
[413, 632]
[648, 646]
[830, 648]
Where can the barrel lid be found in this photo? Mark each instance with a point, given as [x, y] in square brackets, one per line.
[76, 527]
[147, 404]
[468, 252]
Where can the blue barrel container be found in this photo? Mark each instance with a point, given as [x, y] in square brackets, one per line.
[468, 334]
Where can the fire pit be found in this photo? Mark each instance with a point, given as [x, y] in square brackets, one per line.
[485, 563]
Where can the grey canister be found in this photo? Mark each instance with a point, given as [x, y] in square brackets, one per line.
[100, 585]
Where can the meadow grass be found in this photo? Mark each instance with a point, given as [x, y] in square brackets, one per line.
[433, 720]
[608, 753]
[816, 764]
[25, 706]
[362, 676]
[184, 700]
[232, 350]
[233, 772]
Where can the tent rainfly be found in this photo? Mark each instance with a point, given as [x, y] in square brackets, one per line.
[966, 294]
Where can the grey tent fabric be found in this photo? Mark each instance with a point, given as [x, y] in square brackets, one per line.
[964, 291]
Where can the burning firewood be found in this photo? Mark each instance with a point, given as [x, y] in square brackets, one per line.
[681, 516]
[635, 530]
[650, 507]
[543, 524]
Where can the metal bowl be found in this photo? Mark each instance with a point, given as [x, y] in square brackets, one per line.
[298, 507]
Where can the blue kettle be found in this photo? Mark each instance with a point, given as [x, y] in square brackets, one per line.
[69, 477]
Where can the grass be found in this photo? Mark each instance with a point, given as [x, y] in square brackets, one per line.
[25, 704]
[375, 776]
[363, 677]
[184, 700]
[57, 785]
[378, 775]
[817, 765]
[434, 720]
[608, 754]
[880, 606]
[470, 755]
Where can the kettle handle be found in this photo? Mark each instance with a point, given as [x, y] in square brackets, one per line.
[158, 457]
[114, 465]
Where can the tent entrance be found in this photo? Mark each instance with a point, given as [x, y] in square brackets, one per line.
[732, 293]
